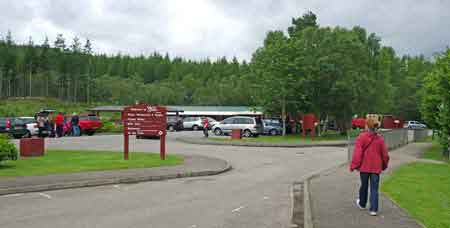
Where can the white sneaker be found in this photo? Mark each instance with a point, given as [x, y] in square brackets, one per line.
[359, 205]
[373, 213]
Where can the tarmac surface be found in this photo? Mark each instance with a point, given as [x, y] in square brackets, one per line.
[334, 194]
[255, 193]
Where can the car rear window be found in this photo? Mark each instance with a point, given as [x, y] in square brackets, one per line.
[95, 118]
[83, 118]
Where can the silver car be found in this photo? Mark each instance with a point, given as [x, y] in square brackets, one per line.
[250, 126]
[194, 123]
[415, 125]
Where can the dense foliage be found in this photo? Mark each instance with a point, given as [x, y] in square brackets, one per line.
[333, 72]
[336, 71]
[8, 150]
[436, 99]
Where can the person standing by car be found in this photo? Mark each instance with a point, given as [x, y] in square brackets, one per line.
[75, 128]
[59, 122]
[370, 158]
[41, 125]
[205, 127]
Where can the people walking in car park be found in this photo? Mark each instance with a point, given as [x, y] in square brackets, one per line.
[205, 127]
[370, 158]
[75, 128]
[59, 122]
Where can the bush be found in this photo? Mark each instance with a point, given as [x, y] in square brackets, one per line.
[8, 150]
[111, 127]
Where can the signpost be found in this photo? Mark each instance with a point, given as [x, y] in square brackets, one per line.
[145, 120]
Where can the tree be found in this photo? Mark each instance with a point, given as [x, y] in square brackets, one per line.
[435, 106]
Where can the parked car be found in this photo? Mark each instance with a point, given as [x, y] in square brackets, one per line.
[174, 123]
[88, 124]
[19, 129]
[250, 126]
[358, 123]
[272, 127]
[414, 125]
[32, 125]
[5, 124]
[193, 123]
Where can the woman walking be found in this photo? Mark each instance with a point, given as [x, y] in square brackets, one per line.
[370, 158]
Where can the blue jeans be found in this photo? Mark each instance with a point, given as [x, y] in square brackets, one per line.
[75, 130]
[363, 190]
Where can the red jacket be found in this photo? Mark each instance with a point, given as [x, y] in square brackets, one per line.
[375, 159]
[59, 119]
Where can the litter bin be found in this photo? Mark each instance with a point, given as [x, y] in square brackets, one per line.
[236, 134]
[30, 147]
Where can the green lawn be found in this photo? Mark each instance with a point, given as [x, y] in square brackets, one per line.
[424, 191]
[60, 161]
[295, 138]
[435, 152]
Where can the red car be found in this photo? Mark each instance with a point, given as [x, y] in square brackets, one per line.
[88, 124]
[358, 123]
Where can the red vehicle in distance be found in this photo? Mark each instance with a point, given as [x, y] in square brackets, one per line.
[88, 123]
[358, 123]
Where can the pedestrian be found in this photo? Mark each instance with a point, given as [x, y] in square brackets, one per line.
[41, 125]
[59, 122]
[205, 127]
[370, 158]
[74, 122]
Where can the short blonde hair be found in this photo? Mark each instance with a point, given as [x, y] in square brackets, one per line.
[372, 123]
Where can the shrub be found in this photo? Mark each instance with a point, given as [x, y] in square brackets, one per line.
[8, 150]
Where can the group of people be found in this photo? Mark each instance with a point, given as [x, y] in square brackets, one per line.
[57, 126]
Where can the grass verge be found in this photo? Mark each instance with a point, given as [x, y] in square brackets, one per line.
[63, 161]
[435, 152]
[295, 138]
[424, 191]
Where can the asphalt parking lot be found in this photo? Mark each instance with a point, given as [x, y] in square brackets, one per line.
[256, 193]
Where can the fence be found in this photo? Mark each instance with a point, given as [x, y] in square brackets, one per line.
[393, 138]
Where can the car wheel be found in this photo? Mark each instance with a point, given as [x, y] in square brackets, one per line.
[195, 128]
[17, 136]
[218, 131]
[171, 128]
[273, 132]
[90, 133]
[27, 135]
[247, 133]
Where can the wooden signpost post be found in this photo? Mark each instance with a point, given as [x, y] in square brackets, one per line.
[145, 120]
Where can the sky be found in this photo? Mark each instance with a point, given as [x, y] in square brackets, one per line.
[200, 29]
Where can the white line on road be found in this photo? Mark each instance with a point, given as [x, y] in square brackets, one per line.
[238, 209]
[266, 198]
[12, 195]
[194, 226]
[45, 195]
[116, 186]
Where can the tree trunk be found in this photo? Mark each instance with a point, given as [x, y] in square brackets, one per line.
[1, 83]
[283, 115]
[30, 84]
[46, 84]
[87, 89]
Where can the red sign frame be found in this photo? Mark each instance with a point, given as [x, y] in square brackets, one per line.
[145, 120]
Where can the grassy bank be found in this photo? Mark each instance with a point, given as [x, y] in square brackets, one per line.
[295, 138]
[61, 161]
[435, 152]
[424, 191]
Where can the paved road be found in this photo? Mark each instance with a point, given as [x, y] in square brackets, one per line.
[256, 193]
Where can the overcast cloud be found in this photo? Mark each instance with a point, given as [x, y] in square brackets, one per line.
[198, 29]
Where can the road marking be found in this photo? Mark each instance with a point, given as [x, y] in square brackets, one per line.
[194, 226]
[45, 195]
[238, 209]
[266, 198]
[13, 195]
[116, 186]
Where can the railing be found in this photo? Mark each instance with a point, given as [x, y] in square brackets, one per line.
[393, 138]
